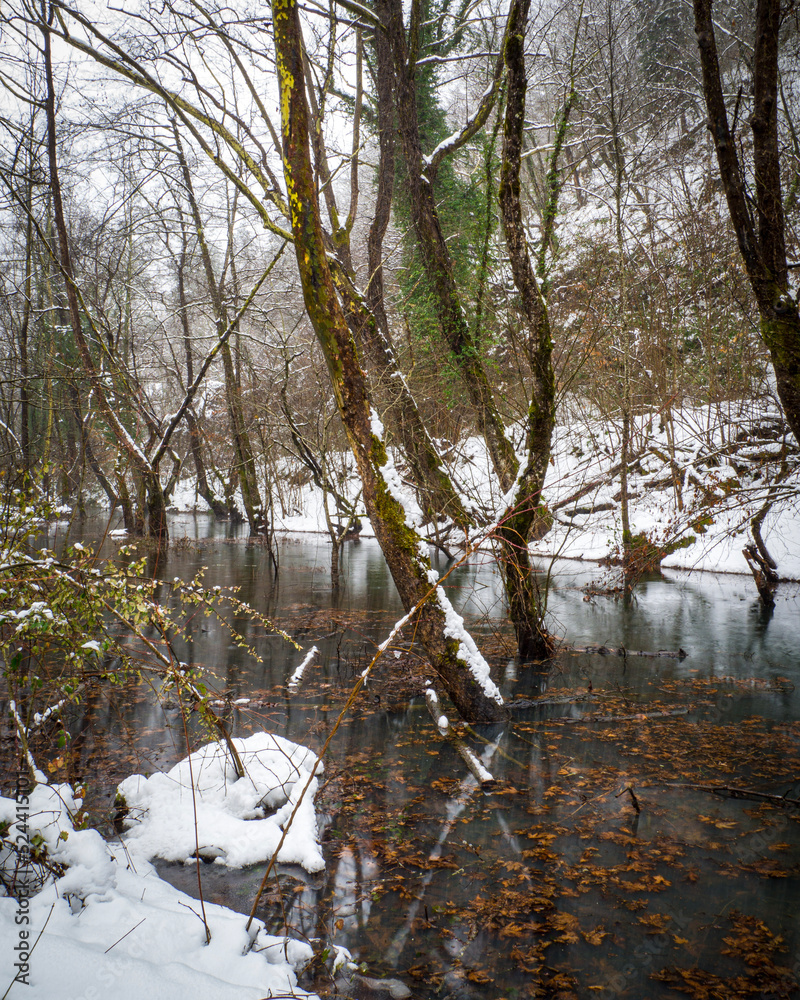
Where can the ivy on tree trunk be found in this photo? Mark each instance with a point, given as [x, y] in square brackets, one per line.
[519, 520]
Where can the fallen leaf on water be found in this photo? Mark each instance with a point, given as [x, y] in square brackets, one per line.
[594, 937]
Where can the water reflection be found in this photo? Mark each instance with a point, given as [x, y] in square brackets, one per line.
[550, 883]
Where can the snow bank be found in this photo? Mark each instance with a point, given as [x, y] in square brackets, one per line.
[111, 926]
[727, 464]
[239, 821]
[699, 475]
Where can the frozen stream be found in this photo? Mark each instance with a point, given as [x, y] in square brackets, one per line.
[597, 865]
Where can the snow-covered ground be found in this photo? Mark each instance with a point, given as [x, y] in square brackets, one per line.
[238, 821]
[696, 481]
[695, 487]
[104, 924]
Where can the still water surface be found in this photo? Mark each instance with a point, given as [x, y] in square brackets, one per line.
[558, 880]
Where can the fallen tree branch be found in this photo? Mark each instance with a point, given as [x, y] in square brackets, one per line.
[446, 731]
[680, 654]
[732, 792]
[297, 677]
[634, 801]
[578, 699]
[596, 483]
[635, 717]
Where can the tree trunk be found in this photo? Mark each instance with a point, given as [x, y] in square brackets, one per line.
[245, 461]
[525, 606]
[618, 164]
[24, 372]
[435, 491]
[449, 649]
[452, 320]
[763, 248]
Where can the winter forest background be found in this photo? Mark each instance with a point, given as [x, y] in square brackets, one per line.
[466, 276]
[167, 149]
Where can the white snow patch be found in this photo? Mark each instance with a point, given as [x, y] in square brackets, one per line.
[467, 649]
[376, 424]
[342, 958]
[111, 927]
[239, 820]
[297, 676]
[480, 771]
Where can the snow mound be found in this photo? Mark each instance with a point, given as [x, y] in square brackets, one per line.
[111, 926]
[239, 821]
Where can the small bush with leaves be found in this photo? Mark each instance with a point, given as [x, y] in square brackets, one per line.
[69, 620]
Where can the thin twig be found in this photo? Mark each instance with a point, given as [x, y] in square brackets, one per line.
[114, 945]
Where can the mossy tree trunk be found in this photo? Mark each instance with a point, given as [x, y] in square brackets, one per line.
[526, 608]
[516, 526]
[437, 496]
[438, 262]
[366, 314]
[409, 566]
[435, 489]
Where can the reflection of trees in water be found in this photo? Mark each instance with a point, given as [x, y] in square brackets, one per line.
[549, 871]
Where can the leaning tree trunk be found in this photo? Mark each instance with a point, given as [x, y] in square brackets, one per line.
[451, 316]
[763, 247]
[366, 316]
[435, 490]
[434, 487]
[450, 650]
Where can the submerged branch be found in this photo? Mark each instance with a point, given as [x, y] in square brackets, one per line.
[446, 731]
[733, 792]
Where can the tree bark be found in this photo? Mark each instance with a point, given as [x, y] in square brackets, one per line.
[763, 246]
[525, 607]
[435, 491]
[399, 542]
[24, 371]
[452, 320]
[368, 320]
